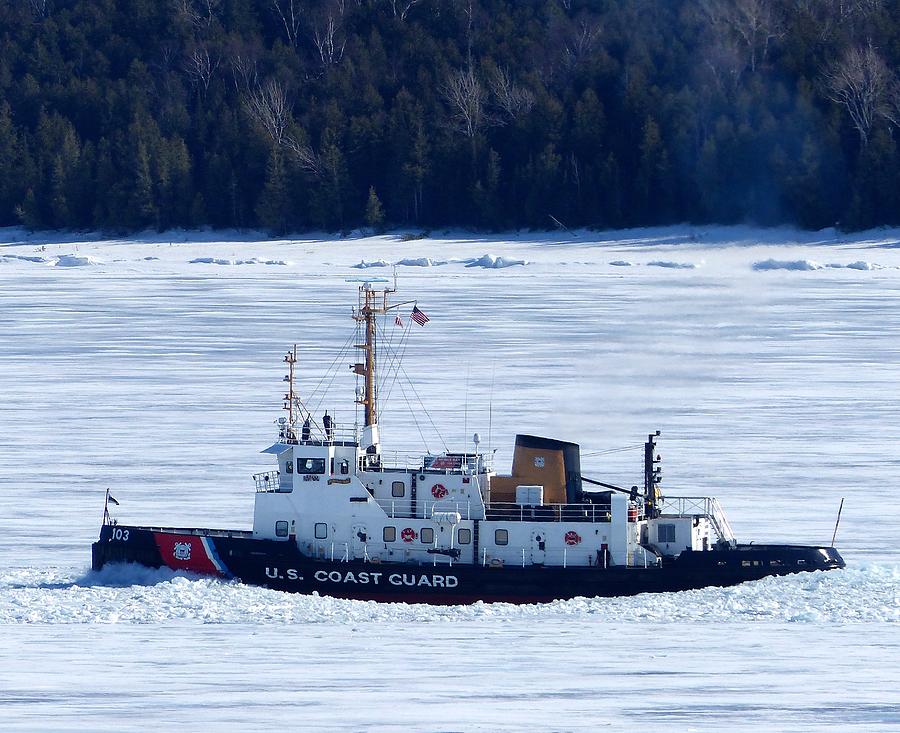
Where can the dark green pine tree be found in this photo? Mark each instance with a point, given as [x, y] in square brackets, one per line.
[272, 207]
[374, 211]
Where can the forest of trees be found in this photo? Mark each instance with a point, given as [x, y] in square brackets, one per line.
[284, 115]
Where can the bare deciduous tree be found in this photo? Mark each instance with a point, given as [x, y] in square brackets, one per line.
[725, 64]
[244, 72]
[199, 13]
[201, 67]
[466, 97]
[402, 7]
[328, 41]
[268, 106]
[754, 23]
[862, 83]
[831, 17]
[304, 154]
[514, 101]
[39, 8]
[582, 42]
[289, 11]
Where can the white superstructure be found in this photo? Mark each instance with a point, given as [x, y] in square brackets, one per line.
[339, 497]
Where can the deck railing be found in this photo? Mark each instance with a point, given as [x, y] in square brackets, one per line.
[706, 506]
[268, 481]
[550, 512]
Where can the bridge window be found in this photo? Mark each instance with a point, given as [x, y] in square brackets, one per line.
[389, 534]
[501, 537]
[426, 535]
[398, 489]
[310, 465]
[665, 533]
[321, 530]
[464, 536]
[281, 529]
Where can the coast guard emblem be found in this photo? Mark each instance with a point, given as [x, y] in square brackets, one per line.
[182, 551]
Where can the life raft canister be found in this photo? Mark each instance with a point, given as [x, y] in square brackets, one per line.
[439, 491]
[408, 534]
[572, 537]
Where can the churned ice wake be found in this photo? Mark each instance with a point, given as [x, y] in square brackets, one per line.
[132, 594]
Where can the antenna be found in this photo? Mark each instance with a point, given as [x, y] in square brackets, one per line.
[466, 413]
[840, 509]
[491, 408]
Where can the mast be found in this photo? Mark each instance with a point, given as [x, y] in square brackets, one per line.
[290, 359]
[652, 477]
[372, 303]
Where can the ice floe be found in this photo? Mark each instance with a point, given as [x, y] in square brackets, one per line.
[672, 265]
[489, 262]
[72, 260]
[230, 261]
[363, 265]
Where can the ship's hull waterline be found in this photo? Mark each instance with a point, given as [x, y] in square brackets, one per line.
[280, 565]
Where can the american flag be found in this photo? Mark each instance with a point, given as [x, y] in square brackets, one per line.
[419, 316]
[398, 321]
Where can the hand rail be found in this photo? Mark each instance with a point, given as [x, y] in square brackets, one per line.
[707, 506]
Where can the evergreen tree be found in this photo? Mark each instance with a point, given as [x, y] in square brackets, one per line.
[374, 211]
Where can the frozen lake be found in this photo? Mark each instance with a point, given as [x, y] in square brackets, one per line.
[769, 359]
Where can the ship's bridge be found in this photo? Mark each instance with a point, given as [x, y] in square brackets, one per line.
[309, 453]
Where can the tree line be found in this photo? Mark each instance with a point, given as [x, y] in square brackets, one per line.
[285, 115]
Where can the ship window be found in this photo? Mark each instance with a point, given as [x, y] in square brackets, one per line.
[801, 562]
[501, 537]
[289, 467]
[774, 563]
[665, 533]
[281, 529]
[310, 465]
[321, 530]
[345, 467]
[426, 535]
[398, 489]
[389, 534]
[464, 536]
[745, 563]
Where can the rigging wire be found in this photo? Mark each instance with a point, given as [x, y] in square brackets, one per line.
[333, 373]
[416, 421]
[334, 361]
[397, 367]
[612, 450]
[395, 357]
[424, 409]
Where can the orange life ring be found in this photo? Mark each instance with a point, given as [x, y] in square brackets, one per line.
[572, 537]
[408, 534]
[439, 491]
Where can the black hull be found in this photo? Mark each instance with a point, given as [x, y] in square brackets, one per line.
[281, 566]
